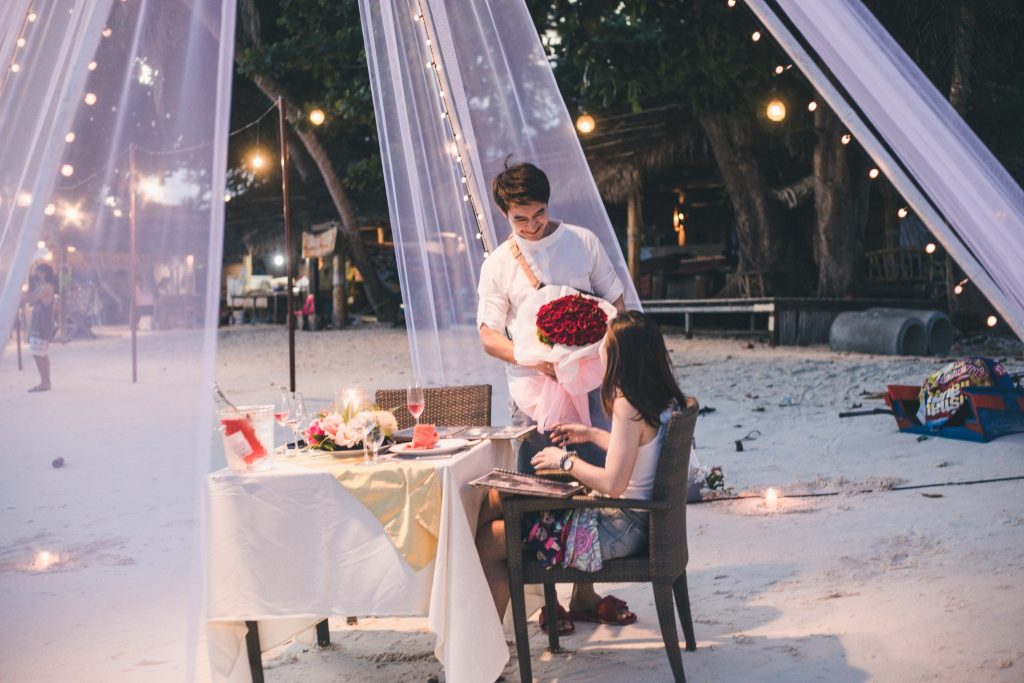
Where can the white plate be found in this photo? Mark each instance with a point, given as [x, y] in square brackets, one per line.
[443, 446]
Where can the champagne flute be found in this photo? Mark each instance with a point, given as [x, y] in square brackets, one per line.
[415, 401]
[282, 409]
[296, 416]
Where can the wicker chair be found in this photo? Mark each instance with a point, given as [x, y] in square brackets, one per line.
[663, 564]
[450, 406]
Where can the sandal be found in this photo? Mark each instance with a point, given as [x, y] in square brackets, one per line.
[610, 610]
[565, 625]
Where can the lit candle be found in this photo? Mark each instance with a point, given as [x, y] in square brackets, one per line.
[771, 499]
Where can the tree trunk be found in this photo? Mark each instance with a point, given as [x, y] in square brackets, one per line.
[384, 303]
[841, 198]
[634, 230]
[763, 243]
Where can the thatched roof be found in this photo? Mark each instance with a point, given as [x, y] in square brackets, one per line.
[624, 149]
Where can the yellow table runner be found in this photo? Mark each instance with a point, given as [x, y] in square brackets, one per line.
[405, 497]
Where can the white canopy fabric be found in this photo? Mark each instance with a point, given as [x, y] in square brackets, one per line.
[947, 175]
[503, 100]
[100, 573]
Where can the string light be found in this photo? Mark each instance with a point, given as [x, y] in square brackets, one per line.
[15, 68]
[873, 173]
[902, 212]
[118, 213]
[257, 161]
[67, 170]
[21, 42]
[846, 139]
[92, 66]
[585, 123]
[992, 321]
[70, 137]
[40, 244]
[929, 248]
[812, 105]
[776, 111]
[72, 215]
[107, 32]
[25, 199]
[755, 36]
[32, 16]
[450, 123]
[771, 499]
[730, 3]
[90, 98]
[50, 209]
[779, 69]
[71, 249]
[317, 116]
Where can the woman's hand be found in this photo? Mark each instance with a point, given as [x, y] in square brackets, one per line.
[548, 459]
[570, 433]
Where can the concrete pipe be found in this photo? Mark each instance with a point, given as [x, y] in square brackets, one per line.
[879, 333]
[938, 328]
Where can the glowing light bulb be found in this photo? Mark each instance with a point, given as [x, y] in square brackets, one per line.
[107, 32]
[71, 249]
[959, 289]
[32, 16]
[929, 248]
[585, 124]
[90, 98]
[992, 321]
[70, 137]
[67, 170]
[812, 105]
[873, 173]
[15, 68]
[49, 211]
[453, 149]
[317, 116]
[21, 42]
[776, 111]
[465, 197]
[278, 260]
[92, 66]
[41, 244]
[902, 212]
[771, 499]
[755, 36]
[227, 197]
[730, 3]
[118, 213]
[846, 139]
[73, 215]
[25, 199]
[257, 161]
[779, 69]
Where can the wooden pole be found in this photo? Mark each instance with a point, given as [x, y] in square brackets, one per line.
[132, 313]
[290, 262]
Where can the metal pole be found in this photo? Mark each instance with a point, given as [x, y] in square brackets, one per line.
[131, 264]
[17, 331]
[289, 261]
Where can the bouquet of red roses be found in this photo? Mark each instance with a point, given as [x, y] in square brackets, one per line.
[573, 320]
[558, 325]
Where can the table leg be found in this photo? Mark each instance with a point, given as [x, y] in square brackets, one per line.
[252, 646]
[323, 634]
[686, 326]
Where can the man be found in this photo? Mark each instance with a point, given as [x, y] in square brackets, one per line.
[542, 251]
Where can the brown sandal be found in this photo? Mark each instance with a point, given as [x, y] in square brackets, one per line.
[610, 610]
[565, 625]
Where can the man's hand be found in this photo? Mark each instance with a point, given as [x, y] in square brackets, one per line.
[548, 369]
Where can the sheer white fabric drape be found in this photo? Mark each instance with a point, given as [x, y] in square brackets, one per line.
[506, 101]
[118, 597]
[967, 199]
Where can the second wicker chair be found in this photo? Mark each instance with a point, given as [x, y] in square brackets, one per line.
[452, 406]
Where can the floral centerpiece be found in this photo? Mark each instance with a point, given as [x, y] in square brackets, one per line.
[331, 430]
[561, 326]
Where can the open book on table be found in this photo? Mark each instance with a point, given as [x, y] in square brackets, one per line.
[527, 484]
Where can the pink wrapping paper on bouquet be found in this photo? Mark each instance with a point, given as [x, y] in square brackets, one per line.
[579, 368]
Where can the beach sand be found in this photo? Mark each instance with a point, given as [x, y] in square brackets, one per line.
[882, 585]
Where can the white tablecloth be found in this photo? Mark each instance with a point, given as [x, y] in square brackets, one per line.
[290, 546]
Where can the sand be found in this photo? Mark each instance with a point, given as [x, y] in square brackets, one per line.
[886, 585]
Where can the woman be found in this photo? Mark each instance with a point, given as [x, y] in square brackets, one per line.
[639, 391]
[42, 297]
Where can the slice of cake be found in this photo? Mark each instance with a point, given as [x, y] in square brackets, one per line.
[424, 436]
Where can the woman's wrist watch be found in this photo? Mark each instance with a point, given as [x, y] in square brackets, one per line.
[567, 461]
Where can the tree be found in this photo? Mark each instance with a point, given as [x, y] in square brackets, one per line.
[315, 48]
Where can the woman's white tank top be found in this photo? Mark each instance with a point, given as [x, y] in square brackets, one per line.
[641, 484]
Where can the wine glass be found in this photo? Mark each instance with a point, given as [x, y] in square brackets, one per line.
[282, 409]
[296, 416]
[365, 422]
[376, 437]
[415, 401]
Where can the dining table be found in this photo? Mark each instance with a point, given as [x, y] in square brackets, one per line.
[319, 536]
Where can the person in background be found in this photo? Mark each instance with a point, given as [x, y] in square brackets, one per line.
[640, 392]
[42, 297]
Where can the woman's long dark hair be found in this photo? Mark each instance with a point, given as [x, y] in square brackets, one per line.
[639, 366]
